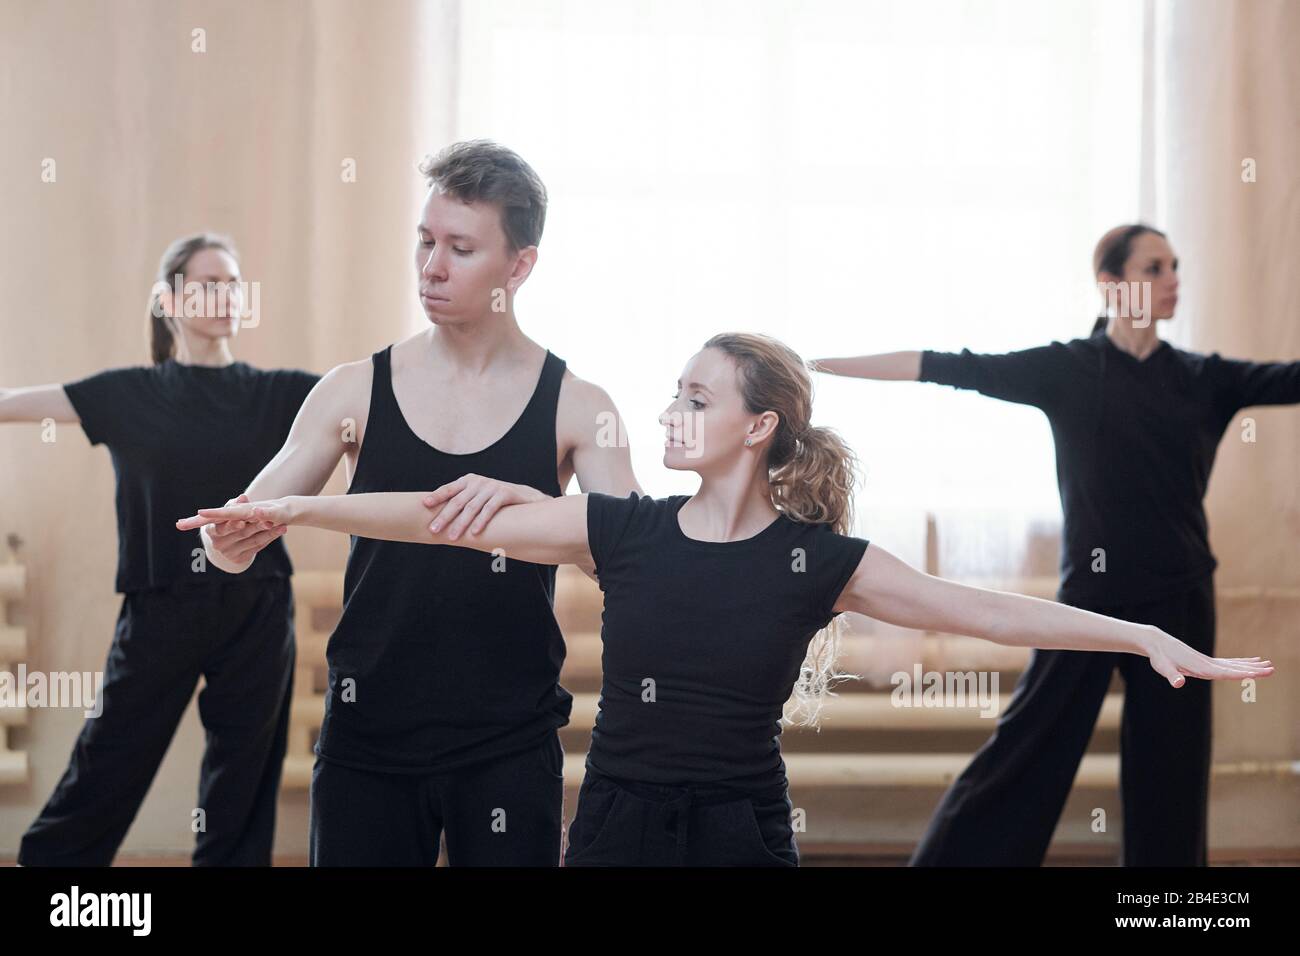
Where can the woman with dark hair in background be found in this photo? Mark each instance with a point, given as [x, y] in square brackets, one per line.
[194, 425]
[1136, 423]
[719, 606]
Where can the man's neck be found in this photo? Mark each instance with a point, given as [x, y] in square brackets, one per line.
[476, 348]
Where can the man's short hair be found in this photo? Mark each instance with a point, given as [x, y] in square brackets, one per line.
[480, 170]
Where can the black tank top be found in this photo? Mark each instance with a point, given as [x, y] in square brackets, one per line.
[444, 656]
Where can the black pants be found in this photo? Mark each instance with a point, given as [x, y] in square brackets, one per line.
[1002, 809]
[629, 823]
[237, 634]
[502, 812]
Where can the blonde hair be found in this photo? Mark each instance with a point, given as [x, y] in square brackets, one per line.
[812, 472]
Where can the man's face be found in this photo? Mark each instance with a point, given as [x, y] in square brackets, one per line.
[462, 259]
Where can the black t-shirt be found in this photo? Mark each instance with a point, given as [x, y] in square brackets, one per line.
[703, 640]
[185, 437]
[1135, 441]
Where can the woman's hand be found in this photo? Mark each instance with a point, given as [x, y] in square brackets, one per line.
[1172, 659]
[232, 545]
[271, 515]
[470, 502]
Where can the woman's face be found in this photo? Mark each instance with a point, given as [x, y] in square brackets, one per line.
[1151, 259]
[706, 423]
[212, 297]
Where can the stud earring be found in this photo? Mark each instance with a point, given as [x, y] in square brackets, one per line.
[749, 441]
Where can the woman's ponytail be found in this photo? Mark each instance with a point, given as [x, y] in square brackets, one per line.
[815, 482]
[162, 344]
[812, 473]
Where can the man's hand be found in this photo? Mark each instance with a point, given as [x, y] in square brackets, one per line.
[470, 502]
[233, 542]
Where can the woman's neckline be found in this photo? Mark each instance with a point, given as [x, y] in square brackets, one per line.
[697, 542]
[1160, 344]
[206, 368]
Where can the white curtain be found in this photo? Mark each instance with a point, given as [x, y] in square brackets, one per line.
[848, 177]
[158, 119]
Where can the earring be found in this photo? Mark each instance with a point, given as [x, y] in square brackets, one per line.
[749, 441]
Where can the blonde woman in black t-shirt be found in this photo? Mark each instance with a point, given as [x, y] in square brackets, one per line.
[194, 424]
[717, 607]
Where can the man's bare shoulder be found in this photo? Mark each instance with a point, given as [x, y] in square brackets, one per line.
[349, 377]
[584, 406]
[583, 394]
[343, 390]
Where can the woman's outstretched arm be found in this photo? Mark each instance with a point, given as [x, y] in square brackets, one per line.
[36, 403]
[1037, 376]
[553, 531]
[886, 366]
[893, 591]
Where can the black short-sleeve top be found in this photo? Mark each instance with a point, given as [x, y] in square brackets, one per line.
[703, 641]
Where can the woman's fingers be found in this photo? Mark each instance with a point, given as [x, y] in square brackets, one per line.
[226, 520]
[436, 497]
[468, 513]
[449, 511]
[1168, 670]
[238, 512]
[218, 527]
[1195, 664]
[484, 518]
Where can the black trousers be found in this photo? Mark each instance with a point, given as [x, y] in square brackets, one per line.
[238, 634]
[628, 823]
[507, 811]
[1003, 808]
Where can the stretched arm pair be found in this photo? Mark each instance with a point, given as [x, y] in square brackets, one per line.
[554, 531]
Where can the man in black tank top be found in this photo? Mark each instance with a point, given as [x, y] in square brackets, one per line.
[444, 700]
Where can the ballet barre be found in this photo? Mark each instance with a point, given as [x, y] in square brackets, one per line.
[856, 711]
[14, 766]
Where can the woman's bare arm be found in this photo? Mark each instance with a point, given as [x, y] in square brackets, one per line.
[886, 366]
[891, 590]
[553, 531]
[35, 403]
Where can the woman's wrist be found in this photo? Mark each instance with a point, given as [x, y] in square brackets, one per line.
[296, 509]
[1147, 638]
